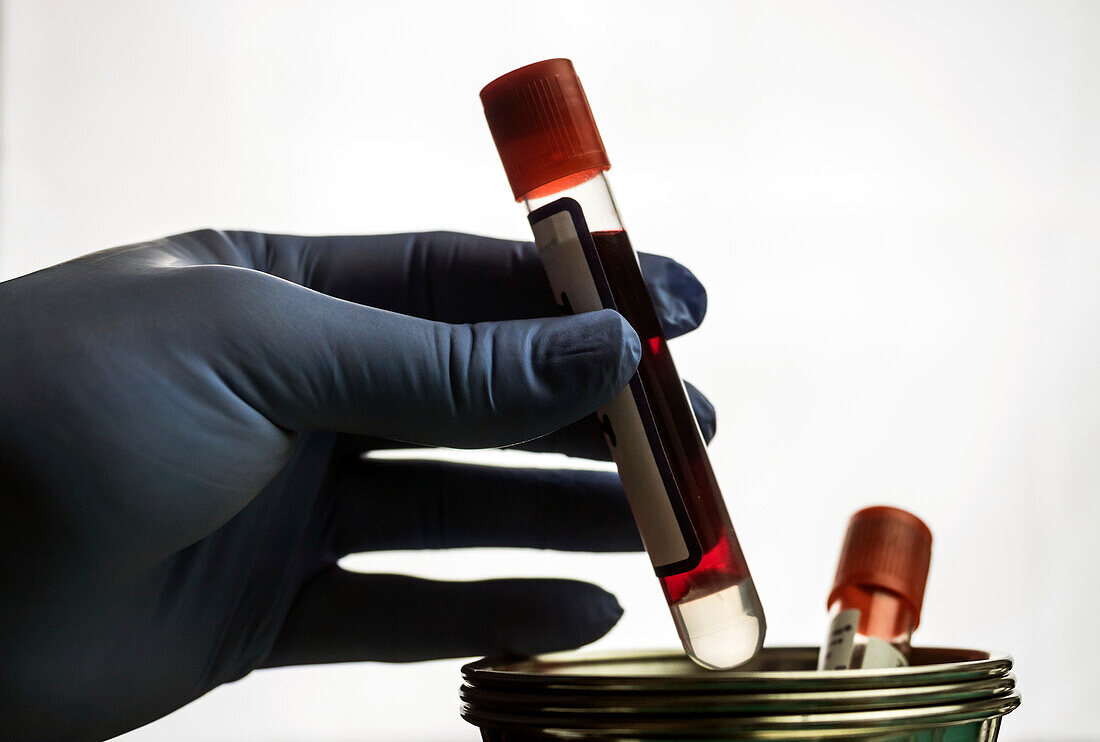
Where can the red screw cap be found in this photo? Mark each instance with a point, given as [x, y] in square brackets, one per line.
[543, 128]
[889, 549]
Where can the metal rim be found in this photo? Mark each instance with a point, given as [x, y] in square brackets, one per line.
[850, 723]
[966, 664]
[787, 702]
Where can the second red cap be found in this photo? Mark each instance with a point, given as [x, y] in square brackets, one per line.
[543, 128]
[886, 548]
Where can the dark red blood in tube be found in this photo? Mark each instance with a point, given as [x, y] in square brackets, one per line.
[720, 566]
[712, 574]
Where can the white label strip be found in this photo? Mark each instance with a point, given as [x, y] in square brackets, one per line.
[567, 268]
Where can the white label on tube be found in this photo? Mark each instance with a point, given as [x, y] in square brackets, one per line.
[841, 641]
[881, 653]
[842, 649]
[567, 267]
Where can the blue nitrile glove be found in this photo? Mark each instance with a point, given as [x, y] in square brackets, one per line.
[180, 430]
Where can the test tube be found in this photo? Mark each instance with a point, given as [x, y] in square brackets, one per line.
[556, 163]
[878, 591]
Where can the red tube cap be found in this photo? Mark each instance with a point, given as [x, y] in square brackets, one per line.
[543, 128]
[889, 549]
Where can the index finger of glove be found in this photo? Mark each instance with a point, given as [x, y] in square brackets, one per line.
[452, 277]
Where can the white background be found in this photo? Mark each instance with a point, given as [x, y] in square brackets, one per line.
[892, 204]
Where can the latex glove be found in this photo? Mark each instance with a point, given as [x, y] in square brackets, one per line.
[180, 430]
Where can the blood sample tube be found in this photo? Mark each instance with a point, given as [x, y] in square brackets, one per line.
[556, 163]
[876, 598]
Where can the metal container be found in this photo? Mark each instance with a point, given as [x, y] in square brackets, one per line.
[948, 695]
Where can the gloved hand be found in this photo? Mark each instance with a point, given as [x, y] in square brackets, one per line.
[181, 426]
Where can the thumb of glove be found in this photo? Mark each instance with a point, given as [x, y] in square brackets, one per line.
[310, 361]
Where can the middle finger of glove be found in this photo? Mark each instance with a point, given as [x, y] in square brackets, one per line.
[381, 505]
